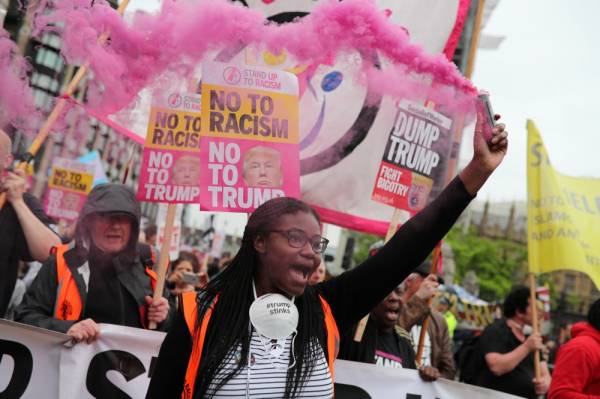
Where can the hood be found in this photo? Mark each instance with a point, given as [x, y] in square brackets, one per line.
[109, 198]
[585, 329]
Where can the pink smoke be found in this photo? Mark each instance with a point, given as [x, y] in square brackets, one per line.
[16, 98]
[184, 33]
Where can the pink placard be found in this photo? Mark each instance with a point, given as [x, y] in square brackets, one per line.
[170, 176]
[240, 175]
[63, 204]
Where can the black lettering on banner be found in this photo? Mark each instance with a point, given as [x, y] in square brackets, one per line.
[345, 391]
[125, 363]
[23, 360]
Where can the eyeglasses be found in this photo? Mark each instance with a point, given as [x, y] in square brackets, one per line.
[298, 239]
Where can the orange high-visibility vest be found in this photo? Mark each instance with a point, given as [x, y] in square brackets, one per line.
[190, 312]
[68, 305]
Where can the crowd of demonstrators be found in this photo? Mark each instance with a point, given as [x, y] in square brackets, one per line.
[503, 358]
[577, 370]
[100, 277]
[384, 342]
[419, 288]
[290, 352]
[24, 231]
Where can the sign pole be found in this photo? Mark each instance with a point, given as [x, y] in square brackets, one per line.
[163, 261]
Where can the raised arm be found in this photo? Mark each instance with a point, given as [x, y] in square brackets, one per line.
[39, 238]
[353, 294]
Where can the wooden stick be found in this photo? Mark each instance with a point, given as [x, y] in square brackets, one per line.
[393, 226]
[59, 106]
[129, 164]
[421, 345]
[163, 260]
[534, 322]
[474, 39]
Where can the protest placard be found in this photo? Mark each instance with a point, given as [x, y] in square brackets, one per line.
[69, 184]
[170, 170]
[249, 136]
[416, 155]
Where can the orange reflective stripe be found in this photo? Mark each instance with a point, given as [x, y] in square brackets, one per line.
[68, 304]
[333, 335]
[153, 278]
[190, 312]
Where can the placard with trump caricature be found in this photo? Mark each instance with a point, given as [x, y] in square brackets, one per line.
[249, 137]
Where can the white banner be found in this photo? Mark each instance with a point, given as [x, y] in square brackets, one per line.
[115, 366]
[36, 363]
[367, 381]
[29, 359]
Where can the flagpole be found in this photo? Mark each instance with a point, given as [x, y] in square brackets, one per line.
[534, 322]
[59, 107]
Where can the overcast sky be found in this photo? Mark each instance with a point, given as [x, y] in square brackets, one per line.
[547, 69]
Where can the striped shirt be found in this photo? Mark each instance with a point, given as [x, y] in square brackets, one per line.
[269, 360]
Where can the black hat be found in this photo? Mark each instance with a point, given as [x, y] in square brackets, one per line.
[424, 270]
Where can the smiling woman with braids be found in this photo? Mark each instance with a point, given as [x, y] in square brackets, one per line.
[259, 330]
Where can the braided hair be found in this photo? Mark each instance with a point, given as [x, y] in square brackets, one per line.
[229, 325]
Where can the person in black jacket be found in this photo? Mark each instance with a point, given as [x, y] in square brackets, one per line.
[281, 247]
[24, 231]
[99, 278]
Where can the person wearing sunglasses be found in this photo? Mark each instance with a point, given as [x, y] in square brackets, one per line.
[260, 330]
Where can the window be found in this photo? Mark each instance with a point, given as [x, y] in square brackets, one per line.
[44, 82]
[50, 59]
[42, 99]
[51, 40]
[569, 283]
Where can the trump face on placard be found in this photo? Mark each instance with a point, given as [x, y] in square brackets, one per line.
[186, 171]
[262, 167]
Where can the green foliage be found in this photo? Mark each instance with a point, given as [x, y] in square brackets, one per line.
[362, 244]
[499, 264]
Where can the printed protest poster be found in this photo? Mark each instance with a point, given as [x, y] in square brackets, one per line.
[69, 184]
[171, 163]
[161, 220]
[415, 156]
[250, 134]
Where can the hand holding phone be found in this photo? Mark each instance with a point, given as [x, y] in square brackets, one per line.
[190, 278]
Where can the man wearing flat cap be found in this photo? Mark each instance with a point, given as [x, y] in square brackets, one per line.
[100, 277]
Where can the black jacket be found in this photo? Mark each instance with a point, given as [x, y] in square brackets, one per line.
[129, 283]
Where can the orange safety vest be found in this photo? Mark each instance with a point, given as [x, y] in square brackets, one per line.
[68, 305]
[190, 312]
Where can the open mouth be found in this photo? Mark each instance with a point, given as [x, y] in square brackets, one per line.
[302, 272]
[113, 236]
[392, 312]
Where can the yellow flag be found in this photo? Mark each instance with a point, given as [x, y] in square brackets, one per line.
[563, 215]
